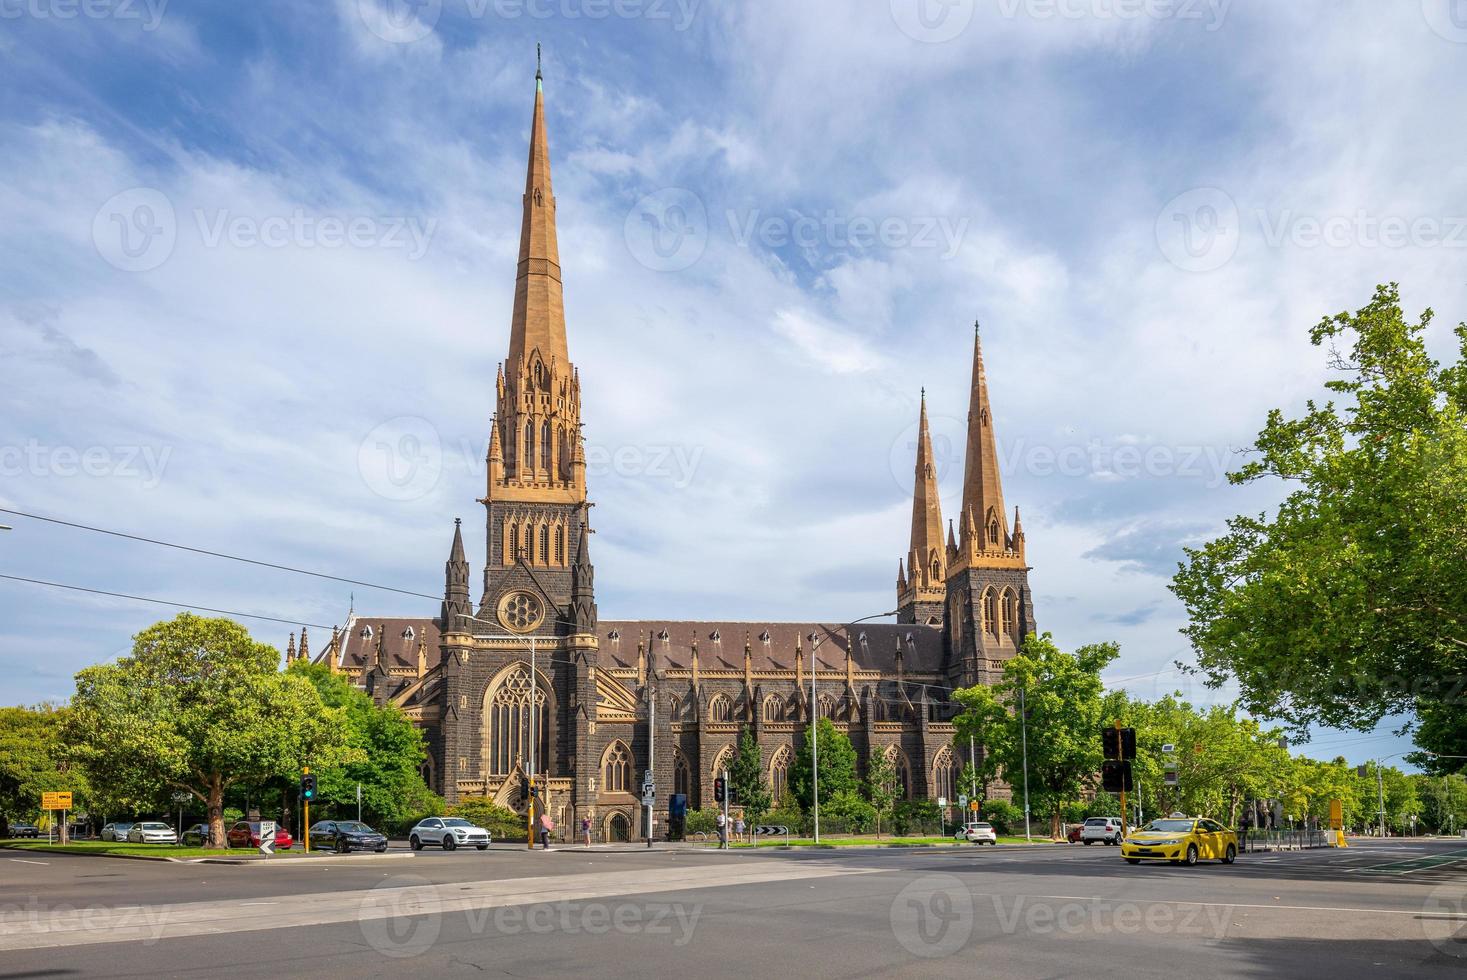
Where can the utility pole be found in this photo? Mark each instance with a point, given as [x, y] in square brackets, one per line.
[972, 761]
[1380, 789]
[1024, 738]
[814, 741]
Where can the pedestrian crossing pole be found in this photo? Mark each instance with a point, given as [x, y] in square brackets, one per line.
[306, 823]
[1123, 784]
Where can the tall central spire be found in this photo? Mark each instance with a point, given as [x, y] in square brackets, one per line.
[984, 524]
[539, 308]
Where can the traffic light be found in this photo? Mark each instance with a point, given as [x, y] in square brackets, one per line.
[719, 790]
[1118, 743]
[1115, 776]
[308, 787]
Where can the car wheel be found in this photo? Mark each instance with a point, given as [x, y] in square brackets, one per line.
[1191, 855]
[341, 847]
[1087, 842]
[1133, 860]
[449, 843]
[417, 845]
[382, 849]
[1231, 855]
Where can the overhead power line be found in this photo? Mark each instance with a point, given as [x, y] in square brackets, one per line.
[163, 602]
[218, 554]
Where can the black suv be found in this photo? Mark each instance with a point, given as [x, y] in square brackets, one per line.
[347, 835]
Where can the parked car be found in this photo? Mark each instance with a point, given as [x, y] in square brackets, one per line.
[196, 836]
[448, 833]
[1181, 840]
[246, 833]
[980, 833]
[1073, 835]
[18, 830]
[116, 831]
[1107, 830]
[151, 832]
[347, 835]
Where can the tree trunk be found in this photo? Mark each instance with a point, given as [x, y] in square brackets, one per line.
[216, 812]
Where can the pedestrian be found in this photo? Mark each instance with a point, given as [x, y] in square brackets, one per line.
[739, 829]
[546, 826]
[586, 830]
[722, 831]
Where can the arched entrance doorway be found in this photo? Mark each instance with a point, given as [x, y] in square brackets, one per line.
[618, 828]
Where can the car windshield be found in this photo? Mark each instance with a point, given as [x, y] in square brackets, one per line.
[1096, 822]
[981, 826]
[155, 826]
[352, 827]
[456, 822]
[1170, 826]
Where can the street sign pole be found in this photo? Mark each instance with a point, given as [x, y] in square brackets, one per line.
[726, 794]
[1123, 785]
[1024, 735]
[359, 802]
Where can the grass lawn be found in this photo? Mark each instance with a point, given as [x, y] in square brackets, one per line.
[157, 851]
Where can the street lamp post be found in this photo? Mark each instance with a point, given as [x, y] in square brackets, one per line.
[1024, 740]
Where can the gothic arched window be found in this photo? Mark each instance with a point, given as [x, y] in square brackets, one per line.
[779, 774]
[773, 707]
[1010, 611]
[990, 612]
[512, 545]
[616, 769]
[544, 544]
[560, 544]
[945, 775]
[682, 775]
[902, 784]
[545, 447]
[992, 528]
[827, 706]
[514, 704]
[529, 445]
[720, 708]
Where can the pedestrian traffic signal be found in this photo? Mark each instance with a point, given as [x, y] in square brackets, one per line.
[1115, 776]
[719, 790]
[308, 787]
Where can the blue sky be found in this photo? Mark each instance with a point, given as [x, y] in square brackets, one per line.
[1146, 204]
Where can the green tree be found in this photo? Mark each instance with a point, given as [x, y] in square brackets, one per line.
[1065, 701]
[837, 766]
[746, 776]
[1351, 601]
[386, 755]
[199, 706]
[881, 787]
[33, 761]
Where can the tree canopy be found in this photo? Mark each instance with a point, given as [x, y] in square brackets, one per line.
[837, 766]
[199, 706]
[1350, 602]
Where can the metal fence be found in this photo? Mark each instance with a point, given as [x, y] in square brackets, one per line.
[1281, 840]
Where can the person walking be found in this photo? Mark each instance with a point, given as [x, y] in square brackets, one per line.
[722, 831]
[739, 829]
[586, 830]
[546, 826]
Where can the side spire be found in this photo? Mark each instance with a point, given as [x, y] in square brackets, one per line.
[926, 560]
[455, 582]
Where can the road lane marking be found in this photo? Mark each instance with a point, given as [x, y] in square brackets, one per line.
[1231, 905]
[154, 923]
[24, 861]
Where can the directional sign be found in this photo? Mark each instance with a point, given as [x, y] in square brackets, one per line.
[267, 837]
[180, 797]
[962, 801]
[56, 801]
[646, 776]
[771, 830]
[942, 801]
[1168, 748]
[648, 799]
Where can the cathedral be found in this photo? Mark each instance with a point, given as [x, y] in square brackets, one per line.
[530, 679]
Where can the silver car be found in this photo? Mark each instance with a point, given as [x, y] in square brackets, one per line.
[151, 832]
[447, 833]
[116, 831]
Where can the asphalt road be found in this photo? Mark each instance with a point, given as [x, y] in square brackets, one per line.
[1394, 908]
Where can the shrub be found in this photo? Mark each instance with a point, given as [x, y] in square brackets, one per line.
[1006, 817]
[703, 821]
[501, 822]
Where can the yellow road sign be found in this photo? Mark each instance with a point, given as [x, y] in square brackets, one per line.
[56, 801]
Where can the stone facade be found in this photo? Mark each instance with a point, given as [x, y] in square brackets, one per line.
[607, 700]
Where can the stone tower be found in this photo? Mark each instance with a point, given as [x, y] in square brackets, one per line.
[989, 606]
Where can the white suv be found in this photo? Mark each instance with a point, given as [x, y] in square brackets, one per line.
[1107, 830]
[448, 833]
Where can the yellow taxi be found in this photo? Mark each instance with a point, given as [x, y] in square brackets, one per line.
[1181, 840]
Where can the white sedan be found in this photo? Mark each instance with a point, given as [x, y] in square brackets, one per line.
[151, 832]
[980, 833]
